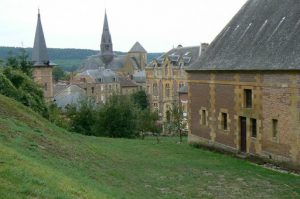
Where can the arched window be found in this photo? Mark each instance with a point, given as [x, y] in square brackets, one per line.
[167, 88]
[155, 90]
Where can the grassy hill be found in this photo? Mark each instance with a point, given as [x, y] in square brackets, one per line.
[40, 160]
[68, 58]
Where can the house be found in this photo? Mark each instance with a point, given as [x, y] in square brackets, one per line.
[166, 76]
[98, 83]
[244, 93]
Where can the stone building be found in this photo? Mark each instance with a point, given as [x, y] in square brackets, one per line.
[98, 84]
[42, 66]
[244, 93]
[166, 75]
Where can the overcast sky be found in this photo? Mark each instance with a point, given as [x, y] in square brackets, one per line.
[157, 24]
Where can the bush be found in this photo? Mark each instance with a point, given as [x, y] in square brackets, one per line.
[117, 118]
[23, 89]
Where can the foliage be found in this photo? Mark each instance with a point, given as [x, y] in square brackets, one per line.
[148, 122]
[117, 118]
[59, 74]
[57, 116]
[20, 62]
[82, 118]
[140, 98]
[176, 120]
[28, 92]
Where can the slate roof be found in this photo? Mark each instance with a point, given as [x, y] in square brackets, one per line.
[95, 62]
[126, 82]
[40, 53]
[187, 54]
[70, 95]
[101, 75]
[263, 35]
[137, 48]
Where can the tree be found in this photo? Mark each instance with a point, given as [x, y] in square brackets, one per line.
[83, 117]
[59, 73]
[177, 121]
[148, 122]
[117, 118]
[140, 98]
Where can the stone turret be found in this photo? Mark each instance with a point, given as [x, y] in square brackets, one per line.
[106, 46]
[42, 70]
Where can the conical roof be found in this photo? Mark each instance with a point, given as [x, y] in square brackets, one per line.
[40, 53]
[137, 48]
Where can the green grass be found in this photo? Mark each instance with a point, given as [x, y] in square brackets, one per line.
[40, 160]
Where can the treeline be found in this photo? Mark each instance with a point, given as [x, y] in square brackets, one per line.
[63, 53]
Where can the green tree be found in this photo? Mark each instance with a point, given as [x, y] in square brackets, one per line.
[148, 122]
[140, 98]
[177, 122]
[59, 73]
[82, 117]
[117, 118]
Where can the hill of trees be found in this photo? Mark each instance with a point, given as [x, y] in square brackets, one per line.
[68, 58]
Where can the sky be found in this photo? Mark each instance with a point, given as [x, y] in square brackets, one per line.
[158, 25]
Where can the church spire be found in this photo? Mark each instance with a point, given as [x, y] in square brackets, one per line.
[40, 53]
[106, 46]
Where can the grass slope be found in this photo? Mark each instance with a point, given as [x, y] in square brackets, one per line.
[40, 160]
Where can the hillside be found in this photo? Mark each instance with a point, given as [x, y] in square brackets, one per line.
[70, 59]
[40, 160]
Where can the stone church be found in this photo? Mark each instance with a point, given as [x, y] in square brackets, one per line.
[244, 93]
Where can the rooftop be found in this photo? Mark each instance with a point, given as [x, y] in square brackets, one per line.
[263, 35]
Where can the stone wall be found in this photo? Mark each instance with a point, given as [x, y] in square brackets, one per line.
[275, 96]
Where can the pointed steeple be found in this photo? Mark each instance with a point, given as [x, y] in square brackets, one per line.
[106, 46]
[40, 53]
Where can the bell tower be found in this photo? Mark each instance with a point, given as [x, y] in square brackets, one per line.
[42, 67]
[106, 45]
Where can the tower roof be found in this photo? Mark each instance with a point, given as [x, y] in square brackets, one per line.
[137, 48]
[106, 46]
[40, 53]
[263, 35]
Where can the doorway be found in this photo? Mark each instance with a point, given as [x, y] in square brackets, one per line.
[243, 127]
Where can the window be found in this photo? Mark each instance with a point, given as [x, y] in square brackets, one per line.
[248, 98]
[253, 128]
[167, 90]
[203, 117]
[45, 86]
[155, 91]
[155, 105]
[275, 128]
[93, 89]
[181, 85]
[224, 121]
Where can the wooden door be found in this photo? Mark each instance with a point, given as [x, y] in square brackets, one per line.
[243, 128]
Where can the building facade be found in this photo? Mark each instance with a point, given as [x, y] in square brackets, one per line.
[99, 84]
[244, 93]
[166, 76]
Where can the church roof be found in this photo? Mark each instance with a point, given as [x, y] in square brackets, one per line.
[263, 35]
[40, 53]
[137, 48]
